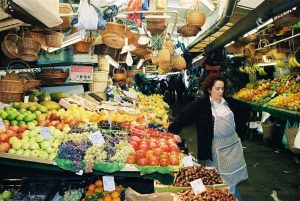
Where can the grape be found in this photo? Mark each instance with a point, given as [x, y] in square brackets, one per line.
[73, 195]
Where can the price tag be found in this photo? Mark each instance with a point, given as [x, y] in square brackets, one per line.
[197, 186]
[253, 125]
[109, 183]
[46, 133]
[187, 161]
[57, 197]
[273, 94]
[80, 172]
[26, 99]
[287, 83]
[2, 126]
[97, 138]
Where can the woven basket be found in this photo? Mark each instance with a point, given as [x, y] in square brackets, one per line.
[54, 39]
[121, 75]
[98, 86]
[37, 36]
[195, 18]
[11, 86]
[132, 73]
[9, 46]
[65, 9]
[156, 27]
[141, 51]
[261, 47]
[291, 134]
[100, 76]
[10, 96]
[113, 40]
[188, 30]
[28, 49]
[82, 47]
[103, 64]
[52, 76]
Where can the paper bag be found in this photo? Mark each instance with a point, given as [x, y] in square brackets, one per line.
[131, 195]
[297, 139]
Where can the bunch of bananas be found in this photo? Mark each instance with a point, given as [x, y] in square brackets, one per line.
[280, 63]
[253, 69]
[293, 62]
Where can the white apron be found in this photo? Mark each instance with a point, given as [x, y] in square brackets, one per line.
[227, 150]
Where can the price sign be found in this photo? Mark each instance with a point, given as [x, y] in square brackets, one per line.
[109, 183]
[273, 94]
[287, 83]
[97, 138]
[80, 172]
[46, 133]
[57, 197]
[26, 99]
[2, 126]
[197, 186]
[187, 161]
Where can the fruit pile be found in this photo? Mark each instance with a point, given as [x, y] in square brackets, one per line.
[281, 93]
[208, 195]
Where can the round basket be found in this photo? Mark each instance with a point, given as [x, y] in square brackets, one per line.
[141, 51]
[54, 39]
[121, 75]
[156, 27]
[82, 47]
[9, 46]
[98, 86]
[52, 76]
[37, 36]
[11, 85]
[188, 30]
[196, 18]
[65, 9]
[28, 49]
[31, 84]
[113, 40]
[103, 64]
[291, 134]
[100, 76]
[11, 96]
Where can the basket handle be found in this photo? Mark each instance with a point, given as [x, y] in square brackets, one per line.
[19, 63]
[122, 68]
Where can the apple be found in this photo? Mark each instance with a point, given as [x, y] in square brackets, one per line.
[13, 139]
[53, 117]
[4, 147]
[41, 118]
[26, 152]
[34, 146]
[25, 133]
[39, 138]
[50, 150]
[43, 155]
[6, 195]
[25, 145]
[12, 151]
[31, 126]
[45, 145]
[52, 156]
[25, 138]
[20, 152]
[17, 144]
[4, 138]
[34, 153]
[32, 133]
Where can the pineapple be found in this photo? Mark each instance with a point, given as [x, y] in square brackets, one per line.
[178, 63]
[164, 55]
[169, 45]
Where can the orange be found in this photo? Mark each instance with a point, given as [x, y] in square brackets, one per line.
[118, 189]
[115, 194]
[89, 192]
[91, 187]
[99, 182]
[100, 199]
[116, 199]
[98, 189]
[108, 198]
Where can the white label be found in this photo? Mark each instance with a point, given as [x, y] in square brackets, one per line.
[26, 99]
[197, 186]
[265, 116]
[287, 83]
[2, 125]
[46, 133]
[259, 128]
[80, 172]
[273, 94]
[97, 138]
[57, 197]
[109, 183]
[253, 125]
[178, 51]
[130, 94]
[187, 161]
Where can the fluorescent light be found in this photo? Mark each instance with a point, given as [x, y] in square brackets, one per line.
[253, 31]
[267, 64]
[70, 40]
[197, 58]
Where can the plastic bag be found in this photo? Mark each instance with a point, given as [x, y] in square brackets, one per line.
[87, 15]
[297, 139]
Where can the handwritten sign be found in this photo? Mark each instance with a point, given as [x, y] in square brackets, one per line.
[273, 94]
[97, 138]
[198, 186]
[46, 133]
[81, 74]
[187, 161]
[109, 183]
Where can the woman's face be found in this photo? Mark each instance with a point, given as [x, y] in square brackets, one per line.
[217, 91]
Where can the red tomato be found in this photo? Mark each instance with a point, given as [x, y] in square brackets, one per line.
[153, 161]
[4, 138]
[157, 152]
[164, 162]
[143, 146]
[134, 144]
[149, 153]
[165, 148]
[174, 161]
[130, 159]
[140, 154]
[143, 161]
[152, 145]
[4, 147]
[174, 148]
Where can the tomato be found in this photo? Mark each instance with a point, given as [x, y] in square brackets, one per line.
[174, 148]
[143, 146]
[140, 154]
[165, 148]
[142, 161]
[4, 137]
[157, 152]
[153, 161]
[164, 162]
[134, 144]
[149, 153]
[152, 145]
[130, 159]
[174, 161]
[153, 139]
[162, 140]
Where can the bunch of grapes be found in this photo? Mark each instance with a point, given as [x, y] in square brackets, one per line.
[123, 150]
[77, 137]
[95, 154]
[90, 128]
[73, 195]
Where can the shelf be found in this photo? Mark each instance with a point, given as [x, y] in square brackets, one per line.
[64, 84]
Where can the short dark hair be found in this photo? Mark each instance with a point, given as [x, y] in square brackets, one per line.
[210, 80]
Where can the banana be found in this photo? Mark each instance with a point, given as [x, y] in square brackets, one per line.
[241, 69]
[296, 62]
[291, 62]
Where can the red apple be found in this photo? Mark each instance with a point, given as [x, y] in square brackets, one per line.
[53, 117]
[4, 147]
[4, 137]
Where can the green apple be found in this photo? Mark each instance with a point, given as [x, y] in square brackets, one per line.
[25, 133]
[25, 145]
[37, 113]
[12, 151]
[43, 155]
[6, 195]
[34, 146]
[45, 145]
[25, 138]
[31, 126]
[66, 129]
[13, 139]
[20, 152]
[34, 153]
[32, 133]
[55, 143]
[52, 156]
[17, 144]
[32, 140]
[39, 138]
[26, 152]
[50, 150]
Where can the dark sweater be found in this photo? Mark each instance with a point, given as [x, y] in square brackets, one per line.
[199, 112]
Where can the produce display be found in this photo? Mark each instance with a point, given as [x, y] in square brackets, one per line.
[208, 195]
[280, 93]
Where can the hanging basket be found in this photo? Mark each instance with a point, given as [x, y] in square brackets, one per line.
[54, 39]
[261, 46]
[196, 18]
[120, 75]
[113, 40]
[188, 30]
[82, 47]
[28, 49]
[9, 46]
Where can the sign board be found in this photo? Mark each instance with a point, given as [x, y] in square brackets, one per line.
[81, 74]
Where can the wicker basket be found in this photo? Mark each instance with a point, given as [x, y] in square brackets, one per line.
[65, 9]
[28, 49]
[113, 40]
[196, 18]
[103, 64]
[121, 75]
[37, 36]
[100, 76]
[156, 27]
[10, 96]
[98, 86]
[132, 73]
[141, 51]
[291, 134]
[54, 39]
[11, 85]
[82, 47]
[9, 46]
[188, 30]
[52, 76]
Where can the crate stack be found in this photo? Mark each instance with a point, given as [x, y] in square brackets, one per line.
[100, 76]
